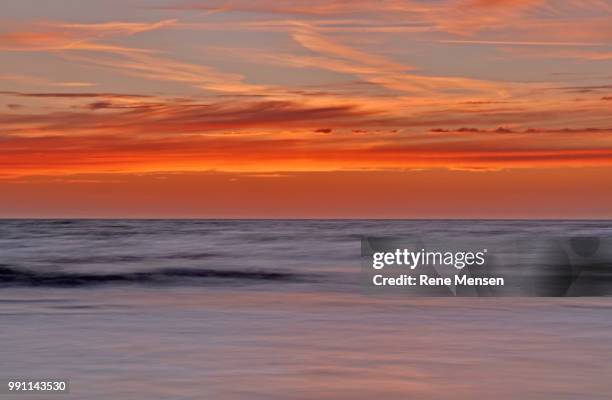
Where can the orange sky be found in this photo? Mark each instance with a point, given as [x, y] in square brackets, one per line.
[451, 109]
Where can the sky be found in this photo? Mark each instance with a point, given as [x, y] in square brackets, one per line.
[306, 109]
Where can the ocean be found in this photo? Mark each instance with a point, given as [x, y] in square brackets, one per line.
[273, 309]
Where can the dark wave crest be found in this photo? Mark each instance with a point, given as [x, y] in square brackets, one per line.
[15, 277]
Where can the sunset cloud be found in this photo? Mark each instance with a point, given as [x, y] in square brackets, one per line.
[293, 152]
[61, 36]
[272, 89]
[72, 95]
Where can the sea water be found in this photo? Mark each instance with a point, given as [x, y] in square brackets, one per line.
[272, 309]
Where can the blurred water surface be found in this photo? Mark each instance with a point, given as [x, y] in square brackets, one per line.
[272, 309]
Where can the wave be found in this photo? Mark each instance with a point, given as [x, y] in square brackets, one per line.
[21, 277]
[127, 258]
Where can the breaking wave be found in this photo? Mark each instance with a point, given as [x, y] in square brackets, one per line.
[16, 277]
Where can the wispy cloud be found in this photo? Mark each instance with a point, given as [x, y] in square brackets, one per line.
[381, 71]
[521, 43]
[40, 81]
[310, 86]
[59, 36]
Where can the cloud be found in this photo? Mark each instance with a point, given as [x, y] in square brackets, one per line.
[584, 88]
[40, 81]
[524, 131]
[457, 17]
[512, 20]
[403, 100]
[260, 136]
[165, 69]
[115, 28]
[520, 43]
[98, 105]
[176, 117]
[108, 113]
[65, 38]
[75, 95]
[310, 39]
[381, 71]
[292, 7]
[60, 36]
[572, 54]
[57, 41]
[119, 152]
